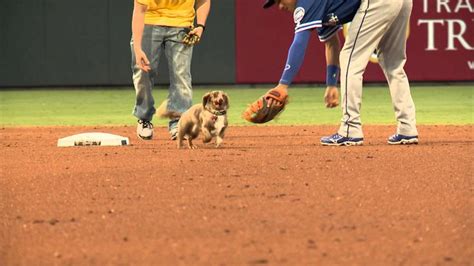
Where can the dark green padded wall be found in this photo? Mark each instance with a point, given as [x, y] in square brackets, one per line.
[86, 43]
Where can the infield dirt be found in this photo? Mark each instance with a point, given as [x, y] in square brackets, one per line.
[271, 195]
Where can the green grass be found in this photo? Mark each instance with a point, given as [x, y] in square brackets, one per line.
[43, 107]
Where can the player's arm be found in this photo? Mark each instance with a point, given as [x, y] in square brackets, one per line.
[295, 57]
[294, 60]
[332, 47]
[202, 12]
[138, 24]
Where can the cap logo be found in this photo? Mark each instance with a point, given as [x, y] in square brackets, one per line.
[298, 14]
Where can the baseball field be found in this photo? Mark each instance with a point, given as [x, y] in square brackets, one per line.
[270, 195]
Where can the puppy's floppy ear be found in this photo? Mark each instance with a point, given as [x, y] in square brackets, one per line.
[205, 99]
[226, 99]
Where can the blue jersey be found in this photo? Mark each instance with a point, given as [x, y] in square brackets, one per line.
[327, 16]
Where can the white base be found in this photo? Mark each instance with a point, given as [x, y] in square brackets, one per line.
[93, 139]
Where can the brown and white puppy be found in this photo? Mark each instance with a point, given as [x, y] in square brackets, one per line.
[208, 118]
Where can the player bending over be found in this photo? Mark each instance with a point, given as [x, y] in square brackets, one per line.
[327, 18]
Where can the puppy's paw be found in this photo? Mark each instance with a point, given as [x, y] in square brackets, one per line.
[219, 141]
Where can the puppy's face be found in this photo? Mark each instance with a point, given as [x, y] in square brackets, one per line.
[216, 100]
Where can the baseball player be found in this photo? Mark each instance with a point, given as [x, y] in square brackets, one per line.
[164, 26]
[326, 17]
[378, 25]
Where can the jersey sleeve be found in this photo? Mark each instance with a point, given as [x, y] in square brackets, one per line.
[326, 32]
[295, 56]
[309, 14]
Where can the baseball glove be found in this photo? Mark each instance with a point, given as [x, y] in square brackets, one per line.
[258, 112]
[191, 39]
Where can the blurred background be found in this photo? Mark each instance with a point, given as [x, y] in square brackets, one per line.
[86, 43]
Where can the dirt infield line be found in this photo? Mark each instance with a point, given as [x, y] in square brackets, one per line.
[270, 195]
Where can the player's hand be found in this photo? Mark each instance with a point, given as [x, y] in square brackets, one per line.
[197, 31]
[272, 101]
[142, 60]
[331, 97]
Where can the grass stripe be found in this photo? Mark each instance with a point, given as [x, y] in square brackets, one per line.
[450, 105]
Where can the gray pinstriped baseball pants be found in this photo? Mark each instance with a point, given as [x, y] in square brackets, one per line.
[381, 25]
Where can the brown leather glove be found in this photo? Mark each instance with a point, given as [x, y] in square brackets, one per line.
[259, 112]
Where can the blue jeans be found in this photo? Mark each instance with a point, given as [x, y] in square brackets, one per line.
[155, 40]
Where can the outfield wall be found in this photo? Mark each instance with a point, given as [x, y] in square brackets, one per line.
[87, 42]
[82, 43]
[440, 44]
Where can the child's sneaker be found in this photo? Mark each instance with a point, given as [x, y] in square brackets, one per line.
[173, 129]
[145, 129]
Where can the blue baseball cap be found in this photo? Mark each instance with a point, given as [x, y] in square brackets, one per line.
[268, 3]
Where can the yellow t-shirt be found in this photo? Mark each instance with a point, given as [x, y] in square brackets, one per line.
[173, 13]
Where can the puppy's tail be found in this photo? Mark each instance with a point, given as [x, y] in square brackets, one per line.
[162, 111]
